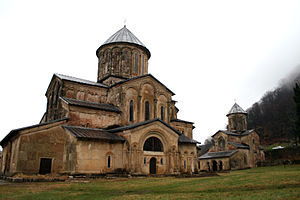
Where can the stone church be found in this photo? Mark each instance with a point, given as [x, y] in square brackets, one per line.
[234, 148]
[126, 121]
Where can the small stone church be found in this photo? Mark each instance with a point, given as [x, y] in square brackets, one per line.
[126, 121]
[234, 148]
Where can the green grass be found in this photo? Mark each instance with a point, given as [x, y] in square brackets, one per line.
[259, 183]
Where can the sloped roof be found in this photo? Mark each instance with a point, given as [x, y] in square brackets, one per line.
[221, 154]
[181, 139]
[138, 77]
[79, 80]
[119, 129]
[185, 139]
[239, 145]
[15, 131]
[236, 109]
[89, 104]
[92, 133]
[125, 36]
[179, 120]
[234, 134]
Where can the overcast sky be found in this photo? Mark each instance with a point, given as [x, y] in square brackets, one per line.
[209, 53]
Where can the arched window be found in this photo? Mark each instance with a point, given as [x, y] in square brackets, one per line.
[153, 144]
[147, 109]
[131, 111]
[221, 144]
[135, 63]
[162, 113]
[108, 161]
[245, 160]
[143, 65]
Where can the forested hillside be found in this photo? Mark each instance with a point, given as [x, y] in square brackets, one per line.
[274, 115]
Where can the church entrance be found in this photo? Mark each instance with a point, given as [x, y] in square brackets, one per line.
[153, 165]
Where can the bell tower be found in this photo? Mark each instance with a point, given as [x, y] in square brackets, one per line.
[122, 56]
[237, 119]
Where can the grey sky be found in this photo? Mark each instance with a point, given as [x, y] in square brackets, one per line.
[207, 52]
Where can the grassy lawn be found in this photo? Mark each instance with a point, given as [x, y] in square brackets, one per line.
[260, 183]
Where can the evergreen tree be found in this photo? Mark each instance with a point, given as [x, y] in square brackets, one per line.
[297, 101]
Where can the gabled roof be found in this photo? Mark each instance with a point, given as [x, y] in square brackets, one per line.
[239, 145]
[179, 120]
[92, 133]
[123, 128]
[236, 109]
[139, 77]
[220, 154]
[181, 139]
[75, 80]
[79, 80]
[234, 134]
[89, 104]
[125, 36]
[14, 132]
[184, 139]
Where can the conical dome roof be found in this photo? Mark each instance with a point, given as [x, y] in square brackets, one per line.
[236, 109]
[125, 36]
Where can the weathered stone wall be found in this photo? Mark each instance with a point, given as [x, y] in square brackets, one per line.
[23, 153]
[139, 91]
[124, 60]
[137, 156]
[207, 164]
[237, 122]
[188, 158]
[92, 156]
[45, 143]
[80, 116]
[217, 138]
[184, 128]
[85, 92]
[68, 89]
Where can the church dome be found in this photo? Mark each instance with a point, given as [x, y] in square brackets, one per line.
[236, 109]
[125, 36]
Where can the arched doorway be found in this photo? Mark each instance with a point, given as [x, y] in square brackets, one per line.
[220, 166]
[215, 166]
[152, 168]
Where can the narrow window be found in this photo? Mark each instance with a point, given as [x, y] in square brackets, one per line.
[147, 109]
[162, 113]
[184, 164]
[135, 63]
[108, 161]
[161, 161]
[131, 111]
[145, 161]
[143, 68]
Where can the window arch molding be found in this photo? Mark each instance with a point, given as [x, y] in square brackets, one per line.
[153, 144]
[156, 134]
[221, 143]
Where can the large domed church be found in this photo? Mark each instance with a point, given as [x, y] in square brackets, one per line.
[126, 121]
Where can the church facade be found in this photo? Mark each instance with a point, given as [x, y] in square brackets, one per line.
[126, 121]
[234, 148]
